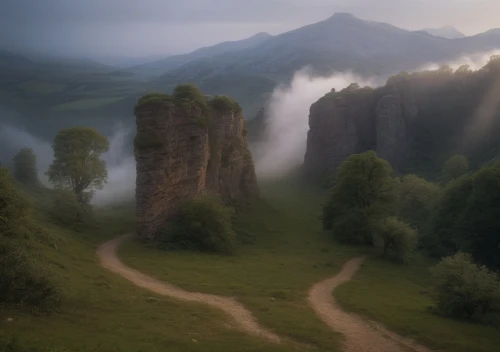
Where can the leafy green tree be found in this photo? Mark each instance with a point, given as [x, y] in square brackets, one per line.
[416, 201]
[203, 224]
[397, 239]
[464, 289]
[455, 167]
[25, 170]
[77, 161]
[364, 191]
[466, 217]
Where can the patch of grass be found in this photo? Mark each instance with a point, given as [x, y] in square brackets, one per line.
[43, 87]
[83, 104]
[103, 312]
[272, 275]
[398, 296]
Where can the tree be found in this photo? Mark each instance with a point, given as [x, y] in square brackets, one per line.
[25, 170]
[455, 167]
[416, 200]
[204, 224]
[396, 238]
[466, 217]
[364, 191]
[464, 289]
[77, 161]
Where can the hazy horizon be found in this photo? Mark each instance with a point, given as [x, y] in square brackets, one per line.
[151, 28]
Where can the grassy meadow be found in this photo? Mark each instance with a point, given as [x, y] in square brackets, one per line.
[285, 254]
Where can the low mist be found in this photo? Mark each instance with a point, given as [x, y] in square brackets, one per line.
[283, 145]
[284, 141]
[120, 162]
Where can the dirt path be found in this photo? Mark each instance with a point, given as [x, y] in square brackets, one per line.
[241, 316]
[360, 335]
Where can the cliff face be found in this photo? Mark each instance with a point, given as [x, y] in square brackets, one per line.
[356, 120]
[416, 121]
[180, 154]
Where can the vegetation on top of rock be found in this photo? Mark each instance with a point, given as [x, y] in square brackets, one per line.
[25, 169]
[190, 99]
[154, 98]
[466, 290]
[204, 224]
[225, 104]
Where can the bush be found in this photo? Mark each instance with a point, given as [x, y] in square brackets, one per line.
[397, 239]
[190, 98]
[203, 224]
[14, 208]
[22, 281]
[225, 104]
[466, 290]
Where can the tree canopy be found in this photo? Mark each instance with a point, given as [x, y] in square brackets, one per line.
[77, 161]
[364, 192]
[455, 167]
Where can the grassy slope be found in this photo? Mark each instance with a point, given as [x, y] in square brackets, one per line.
[103, 312]
[290, 253]
[399, 296]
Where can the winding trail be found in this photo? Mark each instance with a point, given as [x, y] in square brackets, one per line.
[360, 335]
[241, 316]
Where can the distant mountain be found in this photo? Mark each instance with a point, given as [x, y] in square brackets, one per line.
[162, 66]
[448, 32]
[339, 43]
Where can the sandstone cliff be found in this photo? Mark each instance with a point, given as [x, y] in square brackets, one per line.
[187, 147]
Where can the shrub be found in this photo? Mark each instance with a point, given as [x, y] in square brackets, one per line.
[203, 224]
[153, 99]
[22, 281]
[14, 208]
[192, 101]
[464, 289]
[225, 104]
[147, 141]
[396, 238]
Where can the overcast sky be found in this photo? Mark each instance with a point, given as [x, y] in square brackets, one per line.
[150, 27]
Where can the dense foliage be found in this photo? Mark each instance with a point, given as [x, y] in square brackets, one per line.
[464, 289]
[466, 216]
[203, 224]
[417, 197]
[22, 281]
[25, 169]
[225, 104]
[77, 162]
[364, 192]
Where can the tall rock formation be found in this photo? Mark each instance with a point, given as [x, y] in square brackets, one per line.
[185, 148]
[416, 121]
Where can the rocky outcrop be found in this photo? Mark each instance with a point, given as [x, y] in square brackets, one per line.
[181, 153]
[356, 120]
